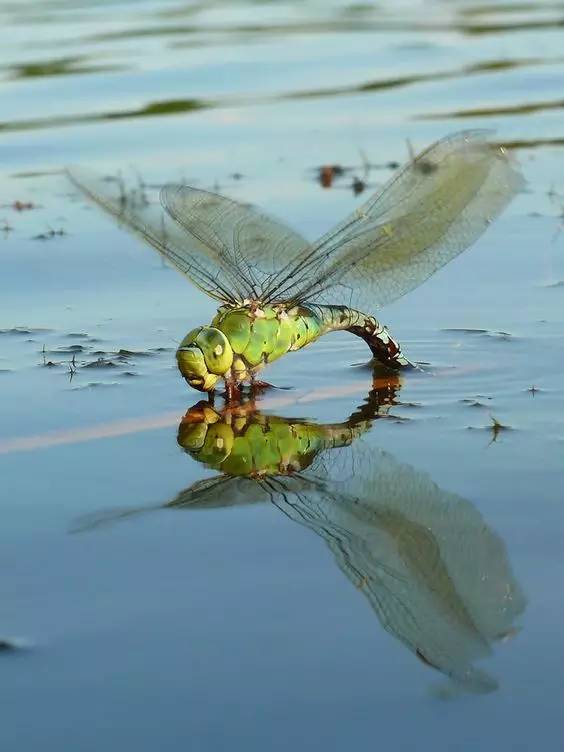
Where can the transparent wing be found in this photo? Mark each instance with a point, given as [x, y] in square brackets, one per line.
[219, 492]
[434, 208]
[203, 235]
[132, 208]
[210, 493]
[256, 244]
[437, 577]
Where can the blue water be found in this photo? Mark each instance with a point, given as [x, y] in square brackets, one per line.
[237, 625]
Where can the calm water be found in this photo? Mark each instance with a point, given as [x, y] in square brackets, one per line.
[415, 600]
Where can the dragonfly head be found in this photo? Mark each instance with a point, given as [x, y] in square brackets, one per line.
[203, 357]
[206, 435]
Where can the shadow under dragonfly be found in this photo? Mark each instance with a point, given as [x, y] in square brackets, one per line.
[437, 577]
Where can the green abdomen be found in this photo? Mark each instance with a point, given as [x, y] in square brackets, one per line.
[259, 339]
[258, 445]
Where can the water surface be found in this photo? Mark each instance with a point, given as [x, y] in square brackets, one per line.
[231, 624]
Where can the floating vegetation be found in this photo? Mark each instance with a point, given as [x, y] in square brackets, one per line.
[81, 356]
[71, 65]
[95, 385]
[22, 330]
[464, 330]
[135, 353]
[71, 350]
[479, 332]
[472, 403]
[100, 363]
[495, 427]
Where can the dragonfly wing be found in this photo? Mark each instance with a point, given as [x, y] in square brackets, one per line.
[210, 493]
[250, 241]
[203, 263]
[437, 577]
[219, 492]
[427, 214]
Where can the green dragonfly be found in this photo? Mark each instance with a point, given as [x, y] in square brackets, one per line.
[278, 292]
[437, 577]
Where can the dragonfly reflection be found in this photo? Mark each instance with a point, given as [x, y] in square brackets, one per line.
[437, 577]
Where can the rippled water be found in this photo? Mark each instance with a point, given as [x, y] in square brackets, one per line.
[416, 597]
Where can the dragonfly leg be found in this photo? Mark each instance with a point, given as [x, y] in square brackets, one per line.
[232, 390]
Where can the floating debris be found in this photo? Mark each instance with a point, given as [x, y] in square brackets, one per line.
[21, 206]
[101, 363]
[326, 174]
[479, 332]
[358, 186]
[6, 228]
[71, 350]
[472, 402]
[134, 353]
[495, 427]
[9, 644]
[50, 234]
[94, 385]
[463, 330]
[24, 330]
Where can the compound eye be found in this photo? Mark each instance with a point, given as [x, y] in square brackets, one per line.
[190, 338]
[216, 349]
[191, 363]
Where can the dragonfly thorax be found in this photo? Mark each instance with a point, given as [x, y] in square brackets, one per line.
[204, 356]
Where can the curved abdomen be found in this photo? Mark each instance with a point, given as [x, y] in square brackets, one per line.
[260, 336]
[382, 345]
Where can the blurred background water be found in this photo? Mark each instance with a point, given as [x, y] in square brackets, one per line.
[234, 627]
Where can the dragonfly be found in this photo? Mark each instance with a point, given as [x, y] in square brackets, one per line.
[437, 577]
[279, 293]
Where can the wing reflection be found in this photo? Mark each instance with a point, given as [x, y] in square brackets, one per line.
[437, 577]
